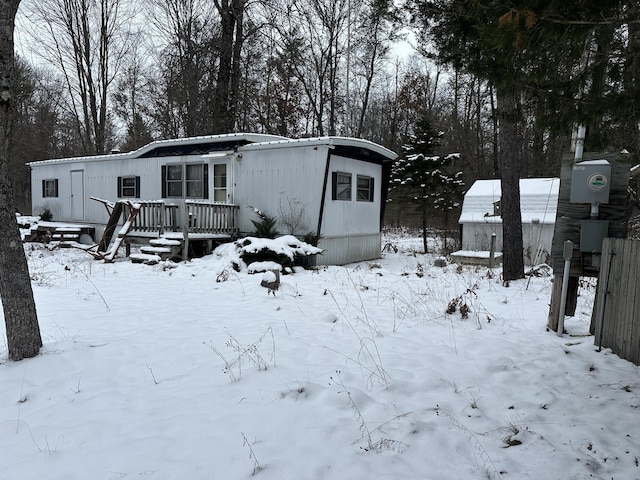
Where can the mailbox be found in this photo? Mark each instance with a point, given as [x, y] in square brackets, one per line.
[590, 182]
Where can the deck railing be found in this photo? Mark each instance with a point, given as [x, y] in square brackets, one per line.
[211, 217]
[203, 217]
[155, 217]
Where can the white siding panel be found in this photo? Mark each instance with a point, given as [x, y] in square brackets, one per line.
[477, 237]
[349, 249]
[352, 217]
[280, 182]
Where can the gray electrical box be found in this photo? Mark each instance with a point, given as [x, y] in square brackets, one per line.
[592, 233]
[590, 182]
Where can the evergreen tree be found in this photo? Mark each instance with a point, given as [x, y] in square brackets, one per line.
[563, 57]
[426, 180]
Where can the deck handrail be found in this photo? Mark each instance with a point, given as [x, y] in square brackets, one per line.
[204, 217]
[212, 217]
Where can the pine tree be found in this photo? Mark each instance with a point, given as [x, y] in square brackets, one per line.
[563, 57]
[426, 180]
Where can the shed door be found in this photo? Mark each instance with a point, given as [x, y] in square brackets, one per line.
[77, 195]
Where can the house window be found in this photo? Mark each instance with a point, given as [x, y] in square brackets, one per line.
[129, 187]
[341, 186]
[188, 180]
[50, 188]
[365, 188]
[220, 182]
[173, 181]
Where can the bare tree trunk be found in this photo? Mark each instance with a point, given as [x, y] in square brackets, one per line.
[231, 40]
[509, 154]
[21, 320]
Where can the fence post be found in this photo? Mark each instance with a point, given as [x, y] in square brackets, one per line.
[567, 253]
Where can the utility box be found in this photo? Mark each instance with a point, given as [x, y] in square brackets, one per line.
[590, 182]
[592, 233]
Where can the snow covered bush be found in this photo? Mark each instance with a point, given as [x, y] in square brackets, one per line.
[286, 251]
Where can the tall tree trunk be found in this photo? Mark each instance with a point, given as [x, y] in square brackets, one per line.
[21, 320]
[230, 46]
[631, 81]
[509, 155]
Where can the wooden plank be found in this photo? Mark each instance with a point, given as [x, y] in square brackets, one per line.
[554, 307]
[629, 310]
[615, 319]
[612, 322]
[601, 291]
[111, 227]
[618, 309]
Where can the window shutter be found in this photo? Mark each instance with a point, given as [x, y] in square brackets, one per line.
[205, 181]
[371, 190]
[334, 185]
[137, 187]
[55, 186]
[43, 188]
[164, 181]
[119, 187]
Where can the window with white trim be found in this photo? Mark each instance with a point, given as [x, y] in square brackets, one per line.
[188, 180]
[341, 186]
[364, 188]
[220, 182]
[50, 188]
[129, 187]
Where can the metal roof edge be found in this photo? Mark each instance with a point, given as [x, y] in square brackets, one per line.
[251, 137]
[326, 140]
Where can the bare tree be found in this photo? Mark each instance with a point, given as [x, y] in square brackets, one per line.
[87, 41]
[133, 104]
[231, 43]
[187, 59]
[21, 320]
[314, 33]
[375, 22]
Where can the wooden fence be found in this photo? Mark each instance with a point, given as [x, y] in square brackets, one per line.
[615, 320]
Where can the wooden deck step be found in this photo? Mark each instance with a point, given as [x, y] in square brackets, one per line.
[145, 258]
[155, 250]
[167, 248]
[65, 236]
[165, 242]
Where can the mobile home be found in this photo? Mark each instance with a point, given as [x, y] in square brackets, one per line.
[333, 188]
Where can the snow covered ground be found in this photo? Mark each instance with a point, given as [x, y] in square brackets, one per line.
[354, 372]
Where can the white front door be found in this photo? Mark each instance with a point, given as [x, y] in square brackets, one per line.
[77, 195]
[221, 183]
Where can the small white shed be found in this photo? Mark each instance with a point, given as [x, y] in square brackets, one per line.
[480, 216]
[332, 187]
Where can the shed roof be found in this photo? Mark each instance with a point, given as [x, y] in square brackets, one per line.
[538, 201]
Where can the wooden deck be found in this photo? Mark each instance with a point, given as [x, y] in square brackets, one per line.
[204, 220]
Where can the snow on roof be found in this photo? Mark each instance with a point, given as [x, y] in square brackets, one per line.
[538, 201]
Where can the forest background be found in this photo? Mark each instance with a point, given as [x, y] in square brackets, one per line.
[103, 75]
